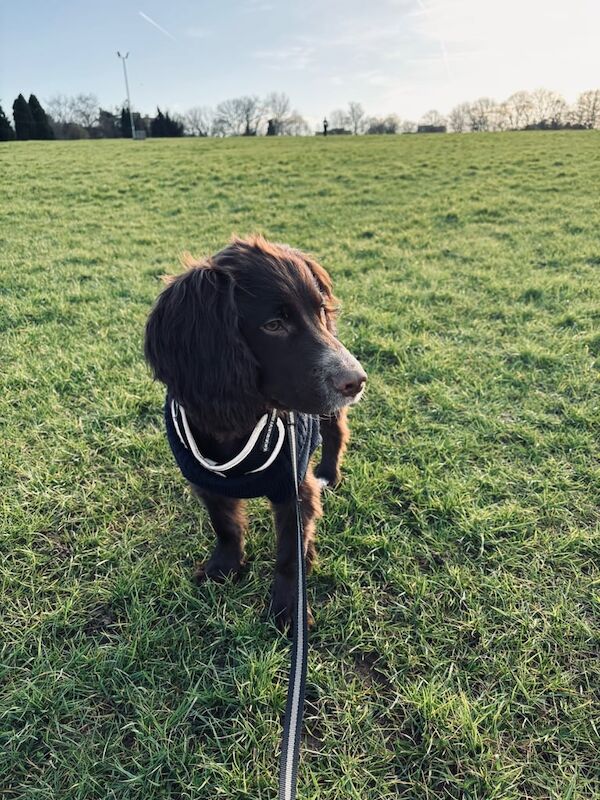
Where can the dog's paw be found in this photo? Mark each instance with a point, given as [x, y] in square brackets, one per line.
[327, 476]
[283, 604]
[220, 566]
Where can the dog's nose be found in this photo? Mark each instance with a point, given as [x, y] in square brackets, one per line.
[350, 382]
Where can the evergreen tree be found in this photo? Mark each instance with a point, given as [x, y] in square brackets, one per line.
[107, 126]
[24, 123]
[42, 127]
[125, 123]
[163, 125]
[139, 123]
[157, 126]
[174, 127]
[6, 132]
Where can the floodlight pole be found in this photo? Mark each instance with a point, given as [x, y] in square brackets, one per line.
[123, 58]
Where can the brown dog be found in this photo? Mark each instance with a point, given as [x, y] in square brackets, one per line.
[239, 339]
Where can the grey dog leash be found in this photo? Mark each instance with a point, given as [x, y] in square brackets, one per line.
[294, 710]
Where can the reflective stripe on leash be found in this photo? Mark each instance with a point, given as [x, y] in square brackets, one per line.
[294, 710]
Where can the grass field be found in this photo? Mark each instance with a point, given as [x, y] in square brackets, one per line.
[454, 654]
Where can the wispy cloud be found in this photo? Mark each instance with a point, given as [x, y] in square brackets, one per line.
[360, 37]
[293, 56]
[156, 25]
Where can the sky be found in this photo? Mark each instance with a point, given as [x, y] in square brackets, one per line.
[392, 56]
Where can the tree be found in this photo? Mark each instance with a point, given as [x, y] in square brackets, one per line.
[356, 115]
[587, 109]
[41, 124]
[458, 118]
[434, 118]
[499, 117]
[198, 121]
[125, 123]
[338, 120]
[71, 130]
[549, 109]
[24, 122]
[229, 118]
[283, 120]
[251, 112]
[381, 125]
[480, 114]
[295, 125]
[107, 126]
[6, 132]
[277, 107]
[239, 116]
[408, 126]
[164, 125]
[60, 108]
[174, 125]
[519, 110]
[84, 109]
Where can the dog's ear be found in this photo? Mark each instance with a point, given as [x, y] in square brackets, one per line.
[194, 346]
[326, 287]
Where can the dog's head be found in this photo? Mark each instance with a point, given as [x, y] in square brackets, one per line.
[249, 329]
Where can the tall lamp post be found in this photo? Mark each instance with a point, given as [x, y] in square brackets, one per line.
[123, 58]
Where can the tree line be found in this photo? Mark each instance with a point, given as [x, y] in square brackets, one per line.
[542, 109]
[80, 117]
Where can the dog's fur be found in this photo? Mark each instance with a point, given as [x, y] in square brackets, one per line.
[206, 340]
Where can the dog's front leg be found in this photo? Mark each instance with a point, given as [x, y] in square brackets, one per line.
[283, 594]
[335, 434]
[229, 522]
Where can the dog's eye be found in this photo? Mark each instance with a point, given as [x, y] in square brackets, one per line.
[273, 325]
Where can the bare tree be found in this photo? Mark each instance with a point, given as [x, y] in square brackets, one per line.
[84, 109]
[587, 109]
[519, 110]
[549, 108]
[433, 118]
[252, 112]
[60, 108]
[458, 118]
[219, 126]
[379, 125]
[198, 121]
[295, 125]
[392, 123]
[499, 117]
[229, 118]
[356, 116]
[408, 126]
[481, 114]
[338, 119]
[277, 107]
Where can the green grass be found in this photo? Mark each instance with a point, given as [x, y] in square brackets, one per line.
[454, 654]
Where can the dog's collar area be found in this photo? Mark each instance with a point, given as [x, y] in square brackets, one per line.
[262, 448]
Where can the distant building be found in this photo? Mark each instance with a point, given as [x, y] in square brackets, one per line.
[431, 129]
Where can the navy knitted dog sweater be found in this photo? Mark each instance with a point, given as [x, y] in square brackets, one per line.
[262, 469]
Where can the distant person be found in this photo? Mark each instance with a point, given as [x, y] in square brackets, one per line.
[325, 126]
